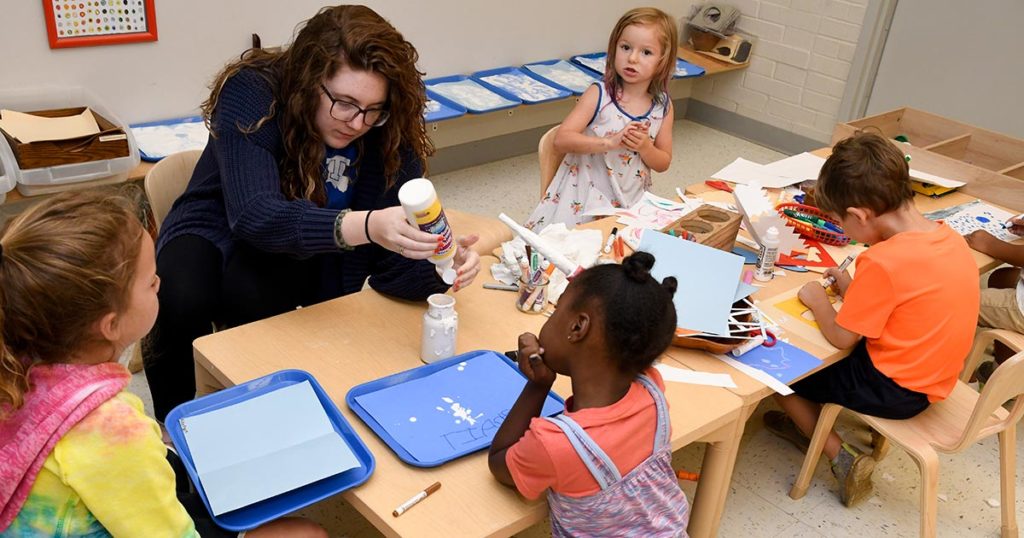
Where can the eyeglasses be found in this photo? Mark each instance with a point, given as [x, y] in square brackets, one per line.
[342, 110]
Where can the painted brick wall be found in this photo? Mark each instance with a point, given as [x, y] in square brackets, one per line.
[799, 66]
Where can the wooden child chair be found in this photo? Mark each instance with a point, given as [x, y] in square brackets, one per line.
[549, 158]
[949, 426]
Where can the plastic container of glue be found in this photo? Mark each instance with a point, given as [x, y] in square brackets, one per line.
[423, 210]
[765, 268]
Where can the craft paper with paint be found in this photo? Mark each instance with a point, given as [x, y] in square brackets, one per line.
[782, 361]
[471, 95]
[564, 74]
[975, 215]
[523, 86]
[452, 411]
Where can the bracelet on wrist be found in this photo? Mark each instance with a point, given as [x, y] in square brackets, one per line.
[366, 227]
[339, 239]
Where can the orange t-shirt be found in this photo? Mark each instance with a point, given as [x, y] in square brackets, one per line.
[915, 298]
[543, 457]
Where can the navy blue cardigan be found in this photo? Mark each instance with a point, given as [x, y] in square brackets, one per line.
[235, 196]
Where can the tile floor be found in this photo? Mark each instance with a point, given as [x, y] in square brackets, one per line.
[758, 505]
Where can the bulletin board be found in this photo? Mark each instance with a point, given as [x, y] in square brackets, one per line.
[84, 23]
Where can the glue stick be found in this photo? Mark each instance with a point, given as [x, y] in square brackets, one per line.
[746, 346]
[423, 210]
[765, 269]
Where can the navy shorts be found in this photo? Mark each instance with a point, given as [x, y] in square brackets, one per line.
[856, 384]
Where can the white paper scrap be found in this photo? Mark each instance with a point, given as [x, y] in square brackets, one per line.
[682, 375]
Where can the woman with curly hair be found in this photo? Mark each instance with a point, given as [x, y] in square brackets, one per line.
[294, 201]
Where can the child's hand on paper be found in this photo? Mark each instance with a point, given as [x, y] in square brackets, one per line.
[637, 136]
[983, 241]
[531, 361]
[814, 296]
[841, 282]
[1017, 226]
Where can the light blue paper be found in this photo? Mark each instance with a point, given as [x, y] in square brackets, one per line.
[707, 279]
[452, 411]
[744, 290]
[264, 446]
[782, 361]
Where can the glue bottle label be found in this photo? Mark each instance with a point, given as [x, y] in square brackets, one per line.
[433, 221]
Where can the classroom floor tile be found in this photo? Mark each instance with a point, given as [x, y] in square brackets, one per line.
[758, 503]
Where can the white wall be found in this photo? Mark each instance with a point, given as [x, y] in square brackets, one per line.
[799, 65]
[168, 78]
[956, 60]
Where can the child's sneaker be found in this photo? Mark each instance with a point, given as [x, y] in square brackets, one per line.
[853, 471]
[781, 425]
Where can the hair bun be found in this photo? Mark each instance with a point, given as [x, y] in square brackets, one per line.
[670, 284]
[638, 266]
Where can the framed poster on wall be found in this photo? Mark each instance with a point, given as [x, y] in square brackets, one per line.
[85, 23]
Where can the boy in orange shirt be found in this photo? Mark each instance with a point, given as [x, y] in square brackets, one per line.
[909, 315]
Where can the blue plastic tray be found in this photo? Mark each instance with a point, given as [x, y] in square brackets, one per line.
[449, 109]
[582, 60]
[417, 373]
[555, 92]
[684, 69]
[502, 102]
[577, 90]
[154, 155]
[280, 505]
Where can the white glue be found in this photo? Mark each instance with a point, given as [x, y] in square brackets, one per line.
[765, 268]
[423, 210]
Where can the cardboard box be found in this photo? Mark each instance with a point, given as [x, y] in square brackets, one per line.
[110, 143]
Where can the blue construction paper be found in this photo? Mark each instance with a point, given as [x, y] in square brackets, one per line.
[749, 257]
[264, 446]
[782, 361]
[707, 280]
[452, 411]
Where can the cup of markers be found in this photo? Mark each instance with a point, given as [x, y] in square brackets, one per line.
[533, 293]
[811, 222]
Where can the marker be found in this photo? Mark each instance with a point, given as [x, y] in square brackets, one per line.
[842, 267]
[1009, 223]
[611, 238]
[502, 287]
[416, 498]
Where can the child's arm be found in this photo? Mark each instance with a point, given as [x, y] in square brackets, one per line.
[529, 405]
[116, 462]
[986, 243]
[813, 295]
[656, 155]
[570, 138]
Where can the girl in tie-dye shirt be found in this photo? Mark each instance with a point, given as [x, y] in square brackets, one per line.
[78, 457]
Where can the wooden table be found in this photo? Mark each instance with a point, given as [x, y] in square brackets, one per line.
[366, 336]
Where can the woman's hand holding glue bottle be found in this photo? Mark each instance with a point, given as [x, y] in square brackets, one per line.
[456, 263]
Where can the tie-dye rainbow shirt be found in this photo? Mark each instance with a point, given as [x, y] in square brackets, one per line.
[108, 476]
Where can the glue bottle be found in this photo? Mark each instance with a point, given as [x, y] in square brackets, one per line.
[423, 210]
[765, 268]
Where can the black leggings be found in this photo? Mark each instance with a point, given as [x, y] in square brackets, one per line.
[198, 290]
